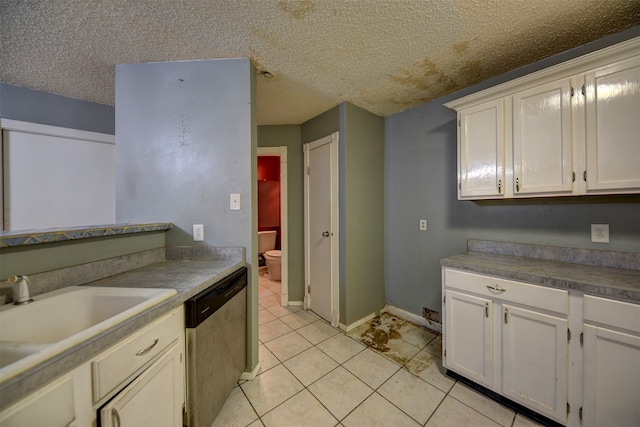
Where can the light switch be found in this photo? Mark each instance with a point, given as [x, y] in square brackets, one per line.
[234, 203]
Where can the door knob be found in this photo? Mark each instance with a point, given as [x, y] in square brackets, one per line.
[326, 234]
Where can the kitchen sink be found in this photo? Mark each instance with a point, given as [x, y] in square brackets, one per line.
[59, 320]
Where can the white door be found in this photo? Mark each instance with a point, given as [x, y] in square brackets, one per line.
[535, 371]
[611, 378]
[321, 227]
[468, 337]
[613, 144]
[542, 140]
[481, 151]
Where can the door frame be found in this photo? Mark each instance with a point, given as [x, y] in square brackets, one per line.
[284, 218]
[335, 225]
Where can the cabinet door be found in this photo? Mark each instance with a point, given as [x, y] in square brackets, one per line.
[481, 151]
[469, 337]
[613, 127]
[154, 399]
[611, 393]
[542, 140]
[534, 357]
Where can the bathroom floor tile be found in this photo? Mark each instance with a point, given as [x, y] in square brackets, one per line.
[286, 346]
[414, 396]
[452, 412]
[377, 411]
[371, 368]
[271, 330]
[270, 300]
[270, 389]
[435, 346]
[429, 368]
[341, 347]
[310, 365]
[488, 407]
[318, 331]
[236, 412]
[263, 292]
[265, 316]
[302, 406]
[340, 392]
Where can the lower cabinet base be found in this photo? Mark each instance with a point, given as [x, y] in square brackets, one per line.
[540, 419]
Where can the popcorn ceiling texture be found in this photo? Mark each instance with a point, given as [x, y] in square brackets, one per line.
[385, 56]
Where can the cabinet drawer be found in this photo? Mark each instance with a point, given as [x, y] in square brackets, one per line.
[118, 363]
[619, 314]
[556, 300]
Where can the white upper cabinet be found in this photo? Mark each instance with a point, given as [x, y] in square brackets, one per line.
[542, 140]
[481, 148]
[571, 129]
[613, 127]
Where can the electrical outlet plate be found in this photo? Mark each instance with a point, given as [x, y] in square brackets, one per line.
[423, 224]
[600, 233]
[198, 232]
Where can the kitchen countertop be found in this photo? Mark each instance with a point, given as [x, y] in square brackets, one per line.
[603, 280]
[188, 277]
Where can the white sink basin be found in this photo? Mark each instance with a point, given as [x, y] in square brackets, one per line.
[59, 320]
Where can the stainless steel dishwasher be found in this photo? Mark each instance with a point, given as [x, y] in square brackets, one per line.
[216, 339]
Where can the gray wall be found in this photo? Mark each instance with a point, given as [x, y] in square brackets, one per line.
[19, 103]
[420, 183]
[361, 170]
[289, 136]
[186, 139]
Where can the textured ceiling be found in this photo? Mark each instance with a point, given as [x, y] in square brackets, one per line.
[382, 55]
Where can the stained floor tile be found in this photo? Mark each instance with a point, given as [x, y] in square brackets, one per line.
[429, 368]
[371, 368]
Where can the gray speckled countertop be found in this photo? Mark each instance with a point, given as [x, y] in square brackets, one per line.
[613, 282]
[187, 277]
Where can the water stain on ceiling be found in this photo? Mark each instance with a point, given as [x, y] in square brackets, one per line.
[385, 56]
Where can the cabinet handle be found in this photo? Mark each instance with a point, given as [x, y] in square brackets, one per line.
[116, 417]
[517, 184]
[486, 309]
[495, 288]
[506, 312]
[500, 186]
[148, 349]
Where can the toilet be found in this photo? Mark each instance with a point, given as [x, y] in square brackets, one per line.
[273, 264]
[267, 246]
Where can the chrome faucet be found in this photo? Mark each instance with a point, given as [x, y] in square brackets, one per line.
[22, 294]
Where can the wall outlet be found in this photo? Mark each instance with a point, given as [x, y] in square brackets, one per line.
[423, 224]
[234, 202]
[198, 232]
[600, 233]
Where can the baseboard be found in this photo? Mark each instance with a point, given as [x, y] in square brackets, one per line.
[250, 376]
[413, 318]
[296, 303]
[352, 326]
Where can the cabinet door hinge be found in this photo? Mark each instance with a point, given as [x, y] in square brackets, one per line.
[572, 91]
[506, 314]
[580, 413]
[459, 186]
[568, 334]
[573, 177]
[445, 352]
[568, 408]
[584, 176]
[584, 91]
[308, 289]
[581, 339]
[308, 170]
[444, 299]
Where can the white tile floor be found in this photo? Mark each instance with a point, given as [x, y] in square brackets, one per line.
[315, 375]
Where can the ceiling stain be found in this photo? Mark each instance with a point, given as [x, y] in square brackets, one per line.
[299, 9]
[425, 74]
[471, 70]
[270, 38]
[461, 47]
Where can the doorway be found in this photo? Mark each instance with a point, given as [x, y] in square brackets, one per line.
[282, 237]
[322, 228]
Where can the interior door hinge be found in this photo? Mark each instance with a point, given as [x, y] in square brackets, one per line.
[308, 170]
[580, 413]
[445, 352]
[568, 334]
[581, 339]
[308, 289]
[568, 408]
[444, 299]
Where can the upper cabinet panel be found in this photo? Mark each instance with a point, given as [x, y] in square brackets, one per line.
[481, 148]
[613, 127]
[572, 129]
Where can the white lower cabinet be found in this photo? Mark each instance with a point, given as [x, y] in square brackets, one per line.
[611, 383]
[509, 337]
[534, 360]
[140, 381]
[523, 342]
